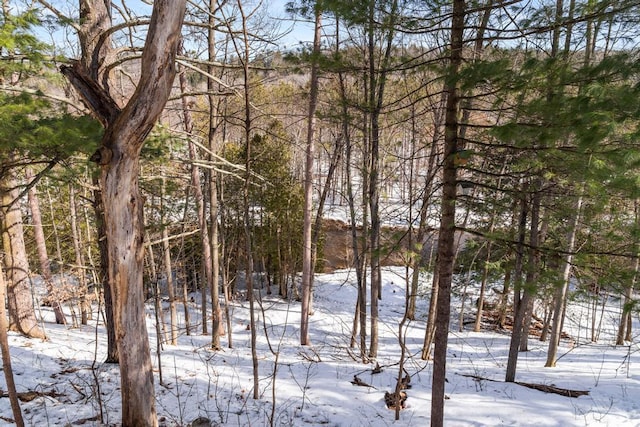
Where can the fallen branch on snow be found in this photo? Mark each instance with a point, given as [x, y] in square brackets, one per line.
[553, 389]
[542, 387]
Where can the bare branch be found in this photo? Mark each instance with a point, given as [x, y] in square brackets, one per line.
[59, 14]
[95, 97]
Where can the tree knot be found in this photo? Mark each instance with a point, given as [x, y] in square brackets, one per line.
[102, 156]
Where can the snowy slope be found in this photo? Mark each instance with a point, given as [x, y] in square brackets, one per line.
[313, 386]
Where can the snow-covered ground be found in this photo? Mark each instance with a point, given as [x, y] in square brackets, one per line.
[312, 386]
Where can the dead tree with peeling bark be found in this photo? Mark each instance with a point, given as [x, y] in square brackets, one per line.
[126, 129]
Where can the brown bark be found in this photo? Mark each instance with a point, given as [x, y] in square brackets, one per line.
[81, 291]
[168, 271]
[217, 326]
[359, 256]
[98, 209]
[624, 329]
[41, 247]
[216, 321]
[125, 132]
[430, 328]
[201, 208]
[307, 249]
[248, 117]
[420, 260]
[561, 293]
[446, 236]
[124, 230]
[21, 311]
[6, 356]
[377, 83]
[520, 325]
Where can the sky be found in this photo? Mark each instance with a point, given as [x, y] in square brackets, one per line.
[295, 30]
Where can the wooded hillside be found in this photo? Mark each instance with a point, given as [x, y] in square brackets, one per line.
[154, 153]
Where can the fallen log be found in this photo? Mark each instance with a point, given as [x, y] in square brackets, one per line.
[556, 390]
[542, 387]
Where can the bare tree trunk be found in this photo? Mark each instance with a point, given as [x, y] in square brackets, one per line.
[359, 254]
[521, 328]
[624, 329]
[307, 249]
[483, 287]
[216, 325]
[200, 206]
[81, 291]
[183, 268]
[594, 310]
[224, 271]
[419, 260]
[526, 321]
[119, 155]
[217, 328]
[22, 317]
[280, 277]
[446, 237]
[168, 271]
[64, 285]
[6, 356]
[245, 55]
[161, 328]
[377, 83]
[124, 231]
[98, 208]
[430, 328]
[43, 257]
[504, 298]
[548, 315]
[561, 294]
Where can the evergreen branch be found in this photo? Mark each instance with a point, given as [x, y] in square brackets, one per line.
[35, 180]
[545, 249]
[39, 93]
